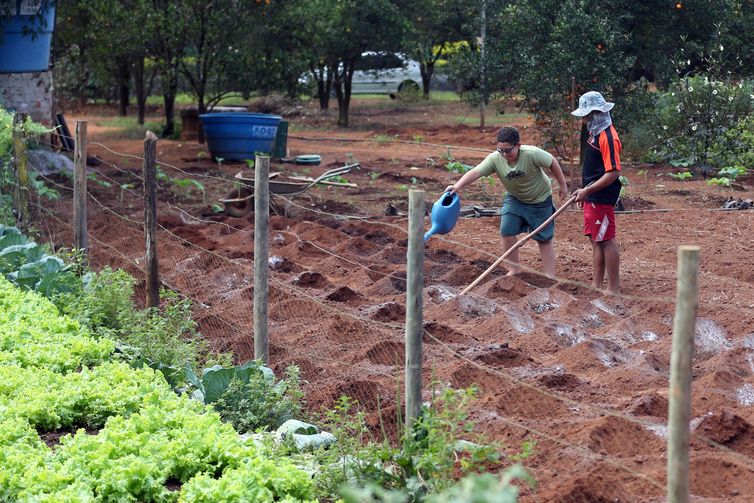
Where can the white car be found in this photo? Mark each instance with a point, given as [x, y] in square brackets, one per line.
[386, 73]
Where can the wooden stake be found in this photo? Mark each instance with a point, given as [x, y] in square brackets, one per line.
[261, 257]
[414, 305]
[20, 169]
[679, 411]
[80, 236]
[150, 220]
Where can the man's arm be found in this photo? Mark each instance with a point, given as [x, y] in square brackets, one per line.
[602, 182]
[468, 178]
[557, 172]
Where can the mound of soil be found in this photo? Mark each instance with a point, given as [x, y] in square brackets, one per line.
[582, 374]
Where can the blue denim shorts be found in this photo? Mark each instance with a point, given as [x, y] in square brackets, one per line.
[518, 217]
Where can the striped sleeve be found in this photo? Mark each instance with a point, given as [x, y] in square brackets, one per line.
[610, 147]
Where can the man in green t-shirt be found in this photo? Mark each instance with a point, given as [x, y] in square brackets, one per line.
[528, 200]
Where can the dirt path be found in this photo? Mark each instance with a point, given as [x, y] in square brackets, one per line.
[581, 374]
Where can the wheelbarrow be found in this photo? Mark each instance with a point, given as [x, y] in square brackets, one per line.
[240, 200]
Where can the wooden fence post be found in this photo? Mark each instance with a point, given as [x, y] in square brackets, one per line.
[261, 257]
[679, 410]
[414, 305]
[21, 174]
[80, 237]
[150, 220]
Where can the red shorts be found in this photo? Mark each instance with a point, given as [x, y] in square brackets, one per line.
[599, 221]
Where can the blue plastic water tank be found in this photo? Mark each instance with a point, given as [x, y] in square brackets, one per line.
[25, 38]
[239, 135]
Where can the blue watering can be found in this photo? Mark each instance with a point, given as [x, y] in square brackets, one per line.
[444, 214]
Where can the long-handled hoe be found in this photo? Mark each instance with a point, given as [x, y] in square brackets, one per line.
[518, 244]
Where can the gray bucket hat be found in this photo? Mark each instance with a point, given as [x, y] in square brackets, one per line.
[591, 101]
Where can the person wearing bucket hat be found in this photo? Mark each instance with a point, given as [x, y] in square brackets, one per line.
[600, 179]
[528, 198]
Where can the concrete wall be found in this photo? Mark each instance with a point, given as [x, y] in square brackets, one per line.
[30, 93]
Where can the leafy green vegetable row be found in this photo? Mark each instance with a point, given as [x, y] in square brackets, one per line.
[33, 334]
[154, 445]
[50, 401]
[132, 458]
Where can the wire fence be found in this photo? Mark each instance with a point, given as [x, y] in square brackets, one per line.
[348, 340]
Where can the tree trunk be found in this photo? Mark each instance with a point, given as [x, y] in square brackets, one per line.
[124, 95]
[323, 94]
[169, 91]
[202, 109]
[342, 82]
[141, 89]
[343, 113]
[426, 71]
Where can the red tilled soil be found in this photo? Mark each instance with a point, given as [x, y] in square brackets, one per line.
[582, 374]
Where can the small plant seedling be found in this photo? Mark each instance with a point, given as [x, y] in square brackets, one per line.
[161, 176]
[732, 172]
[681, 163]
[249, 163]
[374, 175]
[682, 176]
[186, 184]
[217, 208]
[458, 167]
[202, 155]
[383, 138]
[719, 182]
[419, 138]
[403, 187]
[41, 188]
[219, 161]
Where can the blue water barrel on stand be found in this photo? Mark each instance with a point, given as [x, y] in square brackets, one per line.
[239, 135]
[25, 36]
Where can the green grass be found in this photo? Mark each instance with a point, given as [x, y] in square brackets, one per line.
[472, 118]
[128, 128]
[444, 96]
[434, 96]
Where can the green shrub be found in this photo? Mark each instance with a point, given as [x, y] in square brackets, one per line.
[258, 403]
[102, 302]
[694, 115]
[737, 147]
[167, 336]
